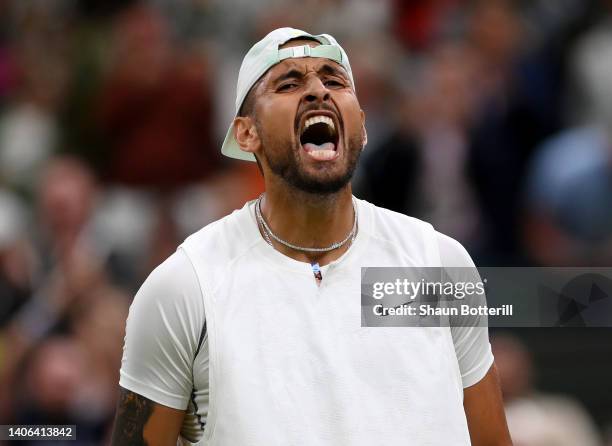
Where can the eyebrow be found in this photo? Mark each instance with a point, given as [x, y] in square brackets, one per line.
[294, 73]
[291, 74]
[331, 70]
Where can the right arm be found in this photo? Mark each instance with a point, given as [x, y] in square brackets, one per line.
[140, 421]
[163, 331]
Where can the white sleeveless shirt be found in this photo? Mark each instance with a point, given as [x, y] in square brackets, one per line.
[278, 360]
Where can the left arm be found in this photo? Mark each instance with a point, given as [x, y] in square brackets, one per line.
[482, 399]
[484, 411]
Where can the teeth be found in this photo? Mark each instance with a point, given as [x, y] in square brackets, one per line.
[316, 119]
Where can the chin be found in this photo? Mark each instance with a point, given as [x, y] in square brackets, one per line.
[320, 184]
[323, 178]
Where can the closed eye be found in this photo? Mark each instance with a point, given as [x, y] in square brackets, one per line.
[287, 87]
[333, 83]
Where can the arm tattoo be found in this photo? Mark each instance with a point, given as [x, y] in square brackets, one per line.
[133, 412]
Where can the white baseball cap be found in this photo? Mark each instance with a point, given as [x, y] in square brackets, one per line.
[264, 55]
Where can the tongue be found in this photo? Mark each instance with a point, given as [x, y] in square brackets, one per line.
[322, 152]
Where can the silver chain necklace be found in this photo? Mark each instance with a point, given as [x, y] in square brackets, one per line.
[268, 233]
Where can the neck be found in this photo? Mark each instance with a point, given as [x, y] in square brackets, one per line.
[309, 220]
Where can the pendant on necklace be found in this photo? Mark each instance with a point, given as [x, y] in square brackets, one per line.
[316, 270]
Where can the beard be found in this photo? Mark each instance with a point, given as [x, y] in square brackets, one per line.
[288, 166]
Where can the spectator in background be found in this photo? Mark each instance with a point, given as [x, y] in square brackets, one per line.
[447, 111]
[72, 273]
[420, 169]
[155, 114]
[517, 111]
[474, 114]
[54, 378]
[534, 418]
[568, 199]
[65, 236]
[389, 171]
[155, 108]
[55, 385]
[568, 204]
[79, 231]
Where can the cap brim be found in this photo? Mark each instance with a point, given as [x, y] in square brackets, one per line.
[232, 149]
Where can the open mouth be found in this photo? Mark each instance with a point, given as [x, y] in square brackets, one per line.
[319, 137]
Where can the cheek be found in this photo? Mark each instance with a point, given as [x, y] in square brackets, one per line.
[277, 120]
[352, 117]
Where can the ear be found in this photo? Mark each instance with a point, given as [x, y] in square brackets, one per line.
[364, 132]
[246, 134]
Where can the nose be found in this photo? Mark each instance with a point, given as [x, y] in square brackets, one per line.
[316, 91]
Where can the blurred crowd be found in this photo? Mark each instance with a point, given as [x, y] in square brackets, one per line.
[491, 119]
